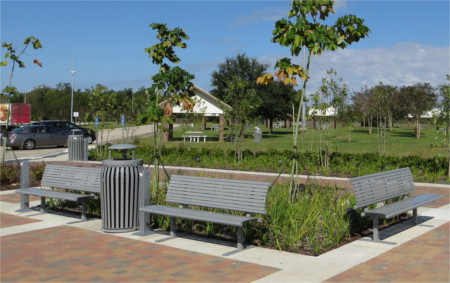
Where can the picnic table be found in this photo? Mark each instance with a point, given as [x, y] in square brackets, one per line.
[194, 136]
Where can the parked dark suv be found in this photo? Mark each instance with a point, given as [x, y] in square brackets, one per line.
[67, 126]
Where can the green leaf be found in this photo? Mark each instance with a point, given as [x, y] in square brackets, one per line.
[3, 63]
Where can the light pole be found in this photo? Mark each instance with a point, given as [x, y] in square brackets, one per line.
[71, 97]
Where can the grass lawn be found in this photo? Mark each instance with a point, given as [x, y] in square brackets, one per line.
[400, 142]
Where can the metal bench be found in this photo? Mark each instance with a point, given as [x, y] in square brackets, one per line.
[74, 178]
[380, 187]
[231, 195]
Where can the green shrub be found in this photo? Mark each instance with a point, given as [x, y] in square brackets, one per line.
[339, 164]
[316, 221]
[37, 171]
[9, 174]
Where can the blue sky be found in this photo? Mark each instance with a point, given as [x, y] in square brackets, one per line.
[409, 41]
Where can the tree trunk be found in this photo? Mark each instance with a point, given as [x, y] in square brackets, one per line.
[166, 132]
[391, 122]
[270, 126]
[221, 124]
[203, 123]
[417, 128]
[287, 123]
[168, 111]
[170, 132]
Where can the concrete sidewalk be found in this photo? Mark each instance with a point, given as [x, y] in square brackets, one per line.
[58, 247]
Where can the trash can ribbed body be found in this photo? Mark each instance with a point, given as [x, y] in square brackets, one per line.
[78, 148]
[119, 194]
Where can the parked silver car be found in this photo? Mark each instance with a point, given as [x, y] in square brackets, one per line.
[67, 126]
[29, 137]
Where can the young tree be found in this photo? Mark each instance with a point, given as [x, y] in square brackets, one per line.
[171, 83]
[362, 105]
[244, 102]
[174, 82]
[334, 92]
[385, 104]
[13, 54]
[306, 29]
[443, 118]
[102, 102]
[417, 99]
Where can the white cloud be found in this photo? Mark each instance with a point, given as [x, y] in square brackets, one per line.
[399, 65]
[267, 15]
[340, 4]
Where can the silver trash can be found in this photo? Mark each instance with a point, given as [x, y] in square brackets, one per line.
[78, 146]
[257, 135]
[120, 191]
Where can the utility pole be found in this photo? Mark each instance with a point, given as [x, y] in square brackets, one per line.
[71, 97]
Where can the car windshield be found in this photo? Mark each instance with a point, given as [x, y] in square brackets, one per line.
[21, 130]
[71, 126]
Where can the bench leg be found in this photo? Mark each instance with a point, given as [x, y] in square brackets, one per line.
[83, 211]
[42, 204]
[24, 201]
[143, 228]
[376, 236]
[415, 216]
[240, 239]
[173, 227]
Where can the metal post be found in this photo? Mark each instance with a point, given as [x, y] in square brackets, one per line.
[376, 236]
[144, 199]
[24, 183]
[71, 97]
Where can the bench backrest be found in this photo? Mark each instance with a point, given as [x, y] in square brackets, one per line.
[244, 196]
[72, 178]
[382, 186]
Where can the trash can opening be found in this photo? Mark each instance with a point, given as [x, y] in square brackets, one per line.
[127, 151]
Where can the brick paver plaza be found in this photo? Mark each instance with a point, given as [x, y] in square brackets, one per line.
[65, 253]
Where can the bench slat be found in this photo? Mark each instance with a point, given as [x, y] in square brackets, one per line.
[404, 205]
[245, 196]
[72, 177]
[374, 188]
[53, 194]
[225, 219]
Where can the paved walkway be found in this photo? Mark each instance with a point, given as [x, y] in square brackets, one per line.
[58, 247]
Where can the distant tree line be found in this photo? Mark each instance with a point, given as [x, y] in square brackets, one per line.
[107, 104]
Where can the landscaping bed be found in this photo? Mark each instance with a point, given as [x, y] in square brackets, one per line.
[302, 227]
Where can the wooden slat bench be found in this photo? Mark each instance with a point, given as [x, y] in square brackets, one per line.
[226, 194]
[75, 178]
[381, 187]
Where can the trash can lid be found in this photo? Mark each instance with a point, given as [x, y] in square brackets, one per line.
[123, 146]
